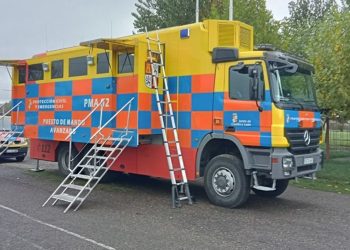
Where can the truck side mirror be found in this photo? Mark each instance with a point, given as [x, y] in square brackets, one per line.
[254, 74]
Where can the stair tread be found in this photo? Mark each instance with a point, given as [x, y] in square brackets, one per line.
[92, 167]
[66, 197]
[76, 187]
[84, 176]
[105, 148]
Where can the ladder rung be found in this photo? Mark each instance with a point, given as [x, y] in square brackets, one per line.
[176, 169]
[174, 155]
[166, 115]
[167, 102]
[155, 52]
[76, 187]
[171, 142]
[168, 128]
[65, 197]
[158, 64]
[83, 176]
[153, 39]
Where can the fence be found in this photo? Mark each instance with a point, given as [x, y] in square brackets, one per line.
[339, 136]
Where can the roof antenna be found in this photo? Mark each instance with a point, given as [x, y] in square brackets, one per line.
[231, 10]
[197, 11]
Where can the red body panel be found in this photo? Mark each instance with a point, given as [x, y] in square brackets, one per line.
[43, 150]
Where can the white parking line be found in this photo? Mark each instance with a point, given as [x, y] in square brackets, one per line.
[58, 228]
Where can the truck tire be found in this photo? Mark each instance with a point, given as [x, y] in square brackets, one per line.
[62, 159]
[225, 182]
[281, 186]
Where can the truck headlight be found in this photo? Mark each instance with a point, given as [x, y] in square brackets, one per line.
[287, 165]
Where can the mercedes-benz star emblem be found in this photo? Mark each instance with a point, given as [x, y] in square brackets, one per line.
[307, 138]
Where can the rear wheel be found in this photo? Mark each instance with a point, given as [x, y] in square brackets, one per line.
[63, 160]
[281, 186]
[225, 182]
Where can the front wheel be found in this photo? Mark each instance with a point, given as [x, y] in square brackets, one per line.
[281, 186]
[225, 182]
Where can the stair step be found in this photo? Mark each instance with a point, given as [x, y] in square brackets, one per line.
[76, 187]
[183, 198]
[83, 176]
[92, 167]
[263, 188]
[65, 197]
[99, 157]
[105, 148]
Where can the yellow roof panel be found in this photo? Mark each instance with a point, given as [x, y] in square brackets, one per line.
[110, 44]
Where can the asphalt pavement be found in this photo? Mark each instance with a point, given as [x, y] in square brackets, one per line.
[133, 212]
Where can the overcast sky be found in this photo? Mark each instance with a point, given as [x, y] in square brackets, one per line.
[35, 26]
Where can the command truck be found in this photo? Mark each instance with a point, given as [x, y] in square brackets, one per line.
[246, 118]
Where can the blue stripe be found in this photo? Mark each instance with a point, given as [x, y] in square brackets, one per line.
[197, 136]
[80, 103]
[31, 118]
[106, 115]
[46, 132]
[82, 134]
[218, 101]
[63, 117]
[106, 85]
[21, 107]
[144, 120]
[63, 88]
[202, 102]
[32, 90]
[184, 121]
[172, 84]
[185, 84]
[265, 139]
[122, 99]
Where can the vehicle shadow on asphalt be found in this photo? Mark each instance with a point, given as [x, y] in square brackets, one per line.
[157, 187]
[162, 187]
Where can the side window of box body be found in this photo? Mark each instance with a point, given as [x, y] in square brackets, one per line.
[57, 69]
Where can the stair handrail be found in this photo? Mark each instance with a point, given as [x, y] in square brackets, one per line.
[100, 105]
[128, 104]
[9, 111]
[86, 117]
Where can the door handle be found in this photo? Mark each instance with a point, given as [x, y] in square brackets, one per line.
[230, 129]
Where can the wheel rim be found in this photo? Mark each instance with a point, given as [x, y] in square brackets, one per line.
[223, 181]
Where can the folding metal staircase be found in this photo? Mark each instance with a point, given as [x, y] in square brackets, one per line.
[95, 161]
[7, 137]
[180, 190]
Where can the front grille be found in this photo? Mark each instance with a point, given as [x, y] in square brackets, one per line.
[297, 143]
[307, 168]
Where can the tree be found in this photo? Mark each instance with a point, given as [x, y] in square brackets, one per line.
[155, 14]
[330, 53]
[299, 28]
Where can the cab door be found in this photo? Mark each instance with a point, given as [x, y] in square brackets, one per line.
[247, 103]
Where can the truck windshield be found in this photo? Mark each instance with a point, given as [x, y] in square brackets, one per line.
[293, 89]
